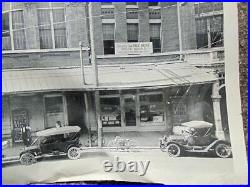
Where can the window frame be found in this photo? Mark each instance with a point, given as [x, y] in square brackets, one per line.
[52, 28]
[129, 41]
[208, 27]
[149, 123]
[113, 24]
[11, 30]
[152, 38]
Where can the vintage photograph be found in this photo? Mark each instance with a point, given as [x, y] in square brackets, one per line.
[112, 90]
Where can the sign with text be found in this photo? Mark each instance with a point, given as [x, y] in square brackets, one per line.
[133, 48]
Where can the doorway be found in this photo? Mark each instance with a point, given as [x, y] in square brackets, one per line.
[54, 110]
[129, 110]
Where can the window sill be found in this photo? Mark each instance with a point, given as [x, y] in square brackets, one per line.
[43, 50]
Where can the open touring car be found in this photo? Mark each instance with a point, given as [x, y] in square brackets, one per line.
[54, 141]
[195, 136]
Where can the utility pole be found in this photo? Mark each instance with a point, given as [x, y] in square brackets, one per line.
[82, 65]
[179, 29]
[95, 71]
[92, 45]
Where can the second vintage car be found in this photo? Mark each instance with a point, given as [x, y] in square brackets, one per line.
[196, 137]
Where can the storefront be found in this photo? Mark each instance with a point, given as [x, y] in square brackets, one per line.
[131, 98]
[133, 110]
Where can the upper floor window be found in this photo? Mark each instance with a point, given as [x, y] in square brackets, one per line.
[108, 30]
[13, 33]
[106, 3]
[52, 28]
[209, 32]
[132, 31]
[131, 3]
[153, 4]
[155, 36]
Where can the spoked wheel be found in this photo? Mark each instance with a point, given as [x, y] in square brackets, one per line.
[223, 150]
[112, 145]
[131, 145]
[74, 153]
[27, 159]
[173, 150]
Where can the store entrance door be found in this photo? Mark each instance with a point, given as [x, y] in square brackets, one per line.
[54, 111]
[129, 111]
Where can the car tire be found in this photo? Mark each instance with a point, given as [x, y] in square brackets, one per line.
[73, 153]
[223, 150]
[173, 150]
[27, 159]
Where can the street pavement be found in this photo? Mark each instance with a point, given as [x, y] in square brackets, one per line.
[161, 169]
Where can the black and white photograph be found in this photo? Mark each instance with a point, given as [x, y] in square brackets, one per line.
[119, 91]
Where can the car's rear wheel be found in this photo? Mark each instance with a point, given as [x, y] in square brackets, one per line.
[173, 150]
[73, 153]
[27, 159]
[223, 150]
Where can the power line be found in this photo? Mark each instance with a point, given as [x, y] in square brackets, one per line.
[87, 17]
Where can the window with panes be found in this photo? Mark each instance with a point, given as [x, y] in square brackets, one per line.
[13, 30]
[209, 31]
[155, 36]
[132, 32]
[108, 30]
[52, 28]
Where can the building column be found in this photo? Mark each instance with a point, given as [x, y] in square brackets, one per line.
[143, 17]
[98, 118]
[217, 113]
[120, 22]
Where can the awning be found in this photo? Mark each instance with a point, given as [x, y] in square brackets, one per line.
[124, 76]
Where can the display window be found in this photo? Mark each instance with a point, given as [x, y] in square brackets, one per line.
[110, 112]
[151, 109]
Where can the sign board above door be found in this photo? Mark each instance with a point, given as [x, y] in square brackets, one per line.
[133, 48]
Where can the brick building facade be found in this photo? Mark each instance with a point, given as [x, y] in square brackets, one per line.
[45, 36]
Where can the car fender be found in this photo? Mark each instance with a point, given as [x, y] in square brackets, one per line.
[174, 142]
[216, 142]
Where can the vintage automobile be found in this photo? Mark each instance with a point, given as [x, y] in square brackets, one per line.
[53, 142]
[195, 136]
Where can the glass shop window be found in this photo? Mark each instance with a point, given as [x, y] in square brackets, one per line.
[110, 112]
[152, 109]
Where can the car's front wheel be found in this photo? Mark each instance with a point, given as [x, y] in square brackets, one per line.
[173, 150]
[223, 150]
[73, 153]
[27, 159]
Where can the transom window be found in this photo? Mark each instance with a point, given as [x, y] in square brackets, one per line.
[52, 28]
[13, 33]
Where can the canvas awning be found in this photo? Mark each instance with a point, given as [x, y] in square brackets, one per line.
[125, 76]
